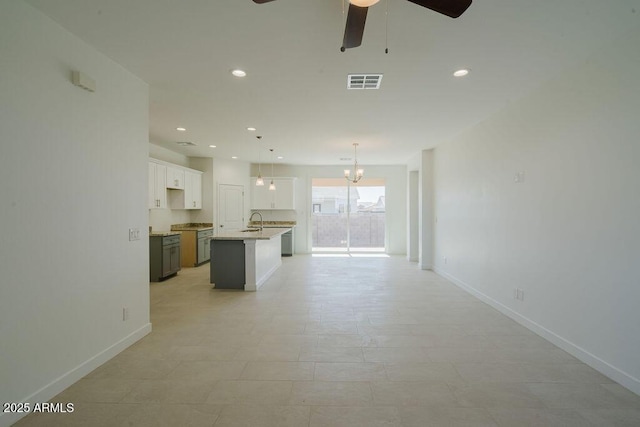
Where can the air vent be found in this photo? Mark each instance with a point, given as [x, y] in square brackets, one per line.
[344, 159]
[364, 81]
[186, 143]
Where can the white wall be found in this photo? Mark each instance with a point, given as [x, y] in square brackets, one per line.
[161, 153]
[569, 235]
[425, 209]
[395, 196]
[413, 216]
[74, 168]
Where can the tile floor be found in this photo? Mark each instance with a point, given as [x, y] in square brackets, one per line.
[339, 342]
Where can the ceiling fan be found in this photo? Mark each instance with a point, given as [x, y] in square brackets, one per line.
[357, 15]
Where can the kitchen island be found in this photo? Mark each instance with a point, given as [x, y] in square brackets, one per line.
[245, 259]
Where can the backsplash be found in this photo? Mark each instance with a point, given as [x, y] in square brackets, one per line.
[161, 219]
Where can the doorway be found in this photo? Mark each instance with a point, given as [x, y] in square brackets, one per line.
[230, 207]
[347, 217]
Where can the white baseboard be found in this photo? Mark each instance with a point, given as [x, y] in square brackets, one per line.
[266, 277]
[605, 368]
[75, 374]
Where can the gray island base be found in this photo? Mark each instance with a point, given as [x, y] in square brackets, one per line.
[245, 259]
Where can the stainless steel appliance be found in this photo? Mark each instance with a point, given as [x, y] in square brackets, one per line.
[287, 243]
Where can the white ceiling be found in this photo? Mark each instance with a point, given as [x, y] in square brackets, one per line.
[295, 91]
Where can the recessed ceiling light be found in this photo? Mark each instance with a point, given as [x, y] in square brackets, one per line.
[181, 129]
[234, 157]
[280, 157]
[461, 73]
[251, 129]
[238, 73]
[212, 146]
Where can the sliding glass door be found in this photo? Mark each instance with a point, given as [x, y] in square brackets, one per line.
[347, 217]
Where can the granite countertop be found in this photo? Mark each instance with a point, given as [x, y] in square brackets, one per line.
[192, 226]
[274, 224]
[265, 234]
[163, 233]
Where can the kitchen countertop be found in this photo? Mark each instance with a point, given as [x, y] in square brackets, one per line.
[274, 224]
[192, 226]
[163, 233]
[266, 234]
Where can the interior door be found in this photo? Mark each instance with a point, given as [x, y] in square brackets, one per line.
[230, 207]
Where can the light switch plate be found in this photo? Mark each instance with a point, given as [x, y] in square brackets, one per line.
[134, 234]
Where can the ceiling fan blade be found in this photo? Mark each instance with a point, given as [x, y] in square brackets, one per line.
[354, 29]
[261, 1]
[452, 8]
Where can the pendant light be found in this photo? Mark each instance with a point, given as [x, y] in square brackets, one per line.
[259, 181]
[357, 171]
[272, 186]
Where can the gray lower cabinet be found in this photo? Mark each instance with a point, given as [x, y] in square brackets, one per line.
[204, 248]
[227, 268]
[164, 257]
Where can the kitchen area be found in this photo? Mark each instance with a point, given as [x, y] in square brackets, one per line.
[187, 229]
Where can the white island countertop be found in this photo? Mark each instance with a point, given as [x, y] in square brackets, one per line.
[265, 234]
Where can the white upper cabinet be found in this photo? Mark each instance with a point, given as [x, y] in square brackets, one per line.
[175, 178]
[191, 196]
[282, 198]
[157, 197]
[172, 186]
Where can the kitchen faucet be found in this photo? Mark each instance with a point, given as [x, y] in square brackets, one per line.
[261, 221]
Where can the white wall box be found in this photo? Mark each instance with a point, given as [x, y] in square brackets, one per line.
[157, 198]
[282, 198]
[175, 178]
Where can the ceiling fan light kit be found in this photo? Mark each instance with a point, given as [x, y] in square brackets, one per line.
[363, 3]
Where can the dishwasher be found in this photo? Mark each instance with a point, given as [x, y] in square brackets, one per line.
[287, 243]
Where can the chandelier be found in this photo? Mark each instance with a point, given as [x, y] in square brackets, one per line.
[357, 171]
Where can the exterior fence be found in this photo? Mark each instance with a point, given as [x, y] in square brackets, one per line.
[366, 228]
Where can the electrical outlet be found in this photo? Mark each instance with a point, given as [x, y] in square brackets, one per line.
[125, 314]
[519, 177]
[518, 294]
[444, 259]
[134, 234]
